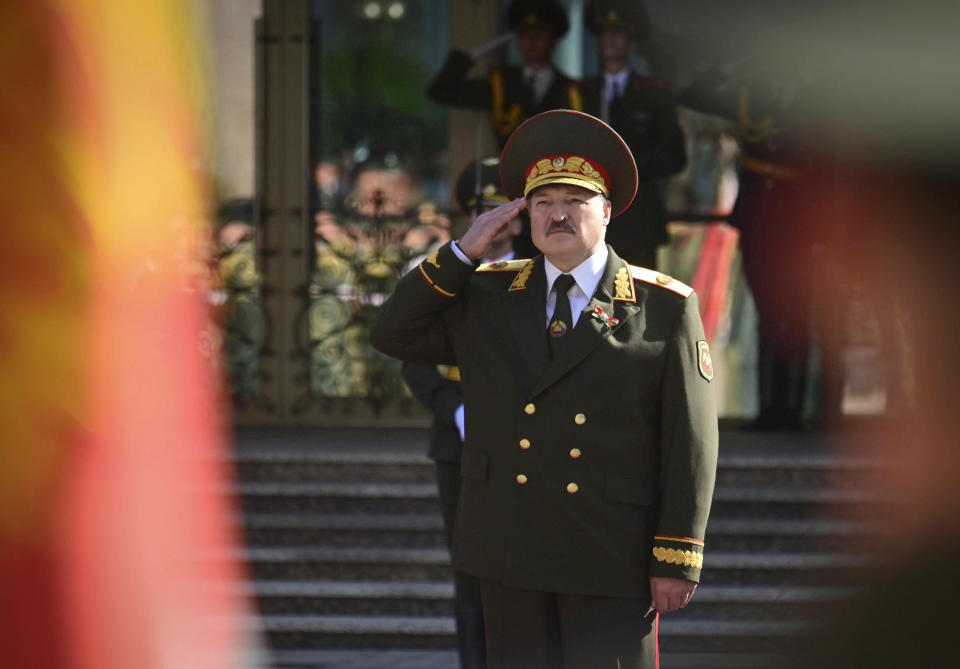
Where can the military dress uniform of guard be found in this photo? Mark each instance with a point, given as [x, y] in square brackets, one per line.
[510, 93]
[591, 430]
[641, 109]
[438, 389]
[779, 186]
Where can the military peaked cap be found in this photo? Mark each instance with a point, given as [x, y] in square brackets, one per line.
[531, 13]
[479, 182]
[563, 146]
[631, 15]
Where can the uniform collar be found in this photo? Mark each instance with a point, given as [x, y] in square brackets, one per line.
[587, 274]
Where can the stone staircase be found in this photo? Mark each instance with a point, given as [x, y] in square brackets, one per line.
[345, 546]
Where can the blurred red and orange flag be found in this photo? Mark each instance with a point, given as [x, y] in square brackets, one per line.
[116, 542]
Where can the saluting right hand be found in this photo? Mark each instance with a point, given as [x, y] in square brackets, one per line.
[481, 233]
[478, 52]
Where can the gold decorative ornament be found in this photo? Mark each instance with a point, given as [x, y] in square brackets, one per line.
[580, 419]
[432, 283]
[575, 453]
[623, 286]
[432, 258]
[530, 409]
[522, 479]
[678, 557]
[572, 488]
[520, 280]
[575, 170]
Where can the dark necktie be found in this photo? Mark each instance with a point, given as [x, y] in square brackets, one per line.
[562, 320]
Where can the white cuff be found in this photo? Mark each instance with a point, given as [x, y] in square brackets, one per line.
[460, 254]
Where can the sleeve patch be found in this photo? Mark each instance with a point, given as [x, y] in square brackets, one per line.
[704, 361]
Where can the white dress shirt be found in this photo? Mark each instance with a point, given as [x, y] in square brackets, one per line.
[586, 277]
[541, 80]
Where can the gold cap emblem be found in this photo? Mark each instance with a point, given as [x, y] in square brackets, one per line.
[567, 169]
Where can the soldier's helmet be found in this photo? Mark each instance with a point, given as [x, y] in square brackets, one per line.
[538, 13]
[630, 15]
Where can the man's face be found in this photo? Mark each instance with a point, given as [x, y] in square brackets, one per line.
[536, 45]
[615, 44]
[567, 223]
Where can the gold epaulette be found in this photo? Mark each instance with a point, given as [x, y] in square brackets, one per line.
[659, 279]
[502, 266]
[449, 372]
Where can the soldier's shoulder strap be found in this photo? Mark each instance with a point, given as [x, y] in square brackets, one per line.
[660, 279]
[503, 266]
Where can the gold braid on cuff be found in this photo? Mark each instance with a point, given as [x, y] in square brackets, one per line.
[679, 557]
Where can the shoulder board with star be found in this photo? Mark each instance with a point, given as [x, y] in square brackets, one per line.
[502, 266]
[659, 279]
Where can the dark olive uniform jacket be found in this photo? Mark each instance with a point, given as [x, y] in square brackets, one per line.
[646, 117]
[502, 93]
[571, 468]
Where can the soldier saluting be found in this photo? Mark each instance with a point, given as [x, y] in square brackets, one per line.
[641, 109]
[512, 94]
[590, 426]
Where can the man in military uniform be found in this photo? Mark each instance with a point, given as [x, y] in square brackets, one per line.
[438, 389]
[642, 111]
[780, 182]
[512, 93]
[591, 432]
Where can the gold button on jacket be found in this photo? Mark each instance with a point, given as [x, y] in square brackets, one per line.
[572, 488]
[530, 409]
[575, 453]
[521, 479]
[580, 419]
[524, 444]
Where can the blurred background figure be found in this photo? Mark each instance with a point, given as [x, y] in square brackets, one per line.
[478, 189]
[776, 215]
[512, 94]
[642, 110]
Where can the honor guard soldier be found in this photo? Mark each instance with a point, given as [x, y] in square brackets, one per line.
[779, 182]
[438, 389]
[591, 431]
[512, 94]
[641, 109]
